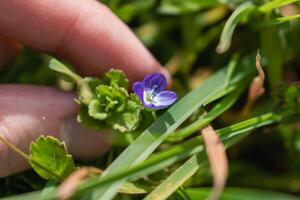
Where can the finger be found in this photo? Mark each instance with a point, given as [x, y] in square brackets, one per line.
[8, 50]
[82, 142]
[29, 111]
[84, 32]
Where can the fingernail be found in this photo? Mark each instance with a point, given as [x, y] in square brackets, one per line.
[82, 142]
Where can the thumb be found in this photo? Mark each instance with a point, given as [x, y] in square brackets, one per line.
[29, 111]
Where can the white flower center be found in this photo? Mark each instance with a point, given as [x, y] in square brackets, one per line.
[149, 95]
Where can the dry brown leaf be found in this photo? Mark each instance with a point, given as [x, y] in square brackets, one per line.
[67, 189]
[217, 159]
[256, 89]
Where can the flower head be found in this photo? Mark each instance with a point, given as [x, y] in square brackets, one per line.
[151, 92]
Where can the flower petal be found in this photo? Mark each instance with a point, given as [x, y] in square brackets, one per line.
[155, 81]
[164, 99]
[139, 88]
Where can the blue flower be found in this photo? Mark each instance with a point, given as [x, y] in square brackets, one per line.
[151, 92]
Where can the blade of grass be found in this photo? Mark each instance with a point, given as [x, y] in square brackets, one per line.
[187, 6]
[267, 7]
[272, 51]
[230, 70]
[229, 135]
[152, 137]
[227, 32]
[287, 18]
[240, 194]
[178, 177]
[205, 119]
[30, 195]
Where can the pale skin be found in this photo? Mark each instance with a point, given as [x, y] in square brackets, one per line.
[86, 34]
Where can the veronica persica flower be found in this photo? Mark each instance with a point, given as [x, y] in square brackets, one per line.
[151, 92]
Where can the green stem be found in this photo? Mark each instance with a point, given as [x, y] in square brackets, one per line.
[229, 135]
[26, 157]
[14, 148]
[272, 50]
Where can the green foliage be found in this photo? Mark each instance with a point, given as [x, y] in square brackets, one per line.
[239, 194]
[267, 7]
[49, 158]
[183, 35]
[154, 135]
[115, 78]
[175, 180]
[108, 100]
[179, 7]
[84, 91]
[287, 99]
[105, 102]
[128, 119]
[234, 19]
[270, 40]
[287, 18]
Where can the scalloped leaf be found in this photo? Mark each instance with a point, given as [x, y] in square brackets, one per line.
[50, 159]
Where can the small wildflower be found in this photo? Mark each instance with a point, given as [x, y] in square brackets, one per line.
[151, 92]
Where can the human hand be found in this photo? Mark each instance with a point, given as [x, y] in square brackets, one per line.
[92, 39]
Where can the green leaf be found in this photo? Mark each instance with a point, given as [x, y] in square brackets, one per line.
[111, 99]
[49, 188]
[271, 49]
[88, 121]
[176, 7]
[93, 82]
[227, 32]
[267, 7]
[85, 93]
[49, 158]
[115, 78]
[128, 120]
[30, 195]
[96, 110]
[134, 188]
[287, 99]
[287, 18]
[230, 135]
[177, 178]
[206, 118]
[112, 104]
[107, 100]
[152, 137]
[135, 98]
[147, 116]
[240, 194]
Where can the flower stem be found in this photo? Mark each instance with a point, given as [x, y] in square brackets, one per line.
[14, 148]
